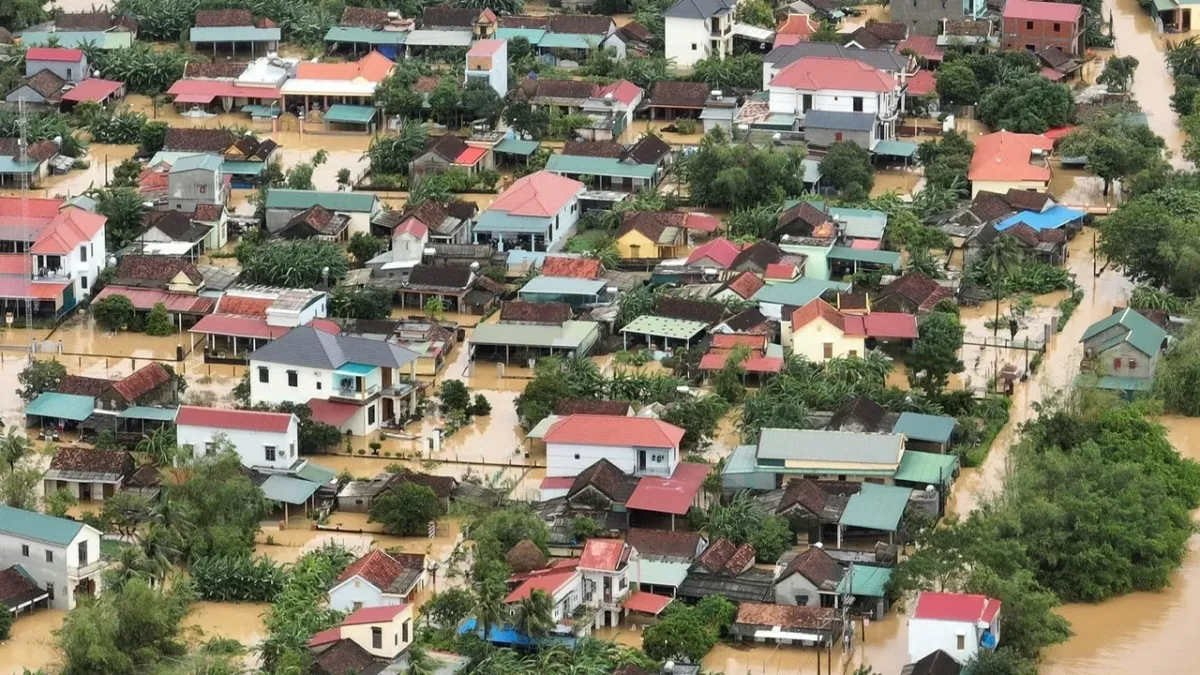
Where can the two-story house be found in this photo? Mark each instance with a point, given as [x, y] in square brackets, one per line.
[55, 253]
[69, 64]
[1032, 25]
[488, 60]
[562, 581]
[956, 623]
[604, 565]
[355, 384]
[264, 440]
[699, 29]
[641, 446]
[1123, 351]
[384, 632]
[359, 207]
[538, 212]
[194, 180]
[837, 99]
[62, 556]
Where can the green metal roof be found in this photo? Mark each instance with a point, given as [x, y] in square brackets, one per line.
[39, 526]
[891, 258]
[255, 110]
[895, 148]
[599, 166]
[1165, 5]
[865, 580]
[234, 34]
[577, 335]
[138, 412]
[659, 573]
[62, 406]
[861, 223]
[741, 460]
[288, 490]
[661, 326]
[926, 468]
[534, 35]
[826, 445]
[351, 114]
[931, 428]
[315, 473]
[569, 41]
[191, 162]
[240, 168]
[365, 36]
[514, 146]
[542, 428]
[72, 39]
[876, 507]
[493, 220]
[359, 202]
[10, 165]
[799, 292]
[1146, 336]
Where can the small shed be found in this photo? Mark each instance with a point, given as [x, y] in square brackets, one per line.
[926, 432]
[876, 508]
[59, 410]
[359, 117]
[289, 491]
[865, 587]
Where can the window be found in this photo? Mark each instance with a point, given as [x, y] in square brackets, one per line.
[852, 353]
[68, 73]
[837, 135]
[82, 254]
[829, 350]
[693, 46]
[371, 414]
[25, 550]
[269, 451]
[318, 385]
[404, 631]
[1028, 26]
[962, 642]
[1117, 363]
[357, 606]
[635, 251]
[1132, 364]
[377, 638]
[83, 282]
[577, 455]
[1057, 27]
[189, 449]
[203, 189]
[858, 104]
[805, 102]
[658, 459]
[293, 378]
[292, 450]
[264, 375]
[802, 600]
[210, 449]
[842, 477]
[49, 556]
[82, 549]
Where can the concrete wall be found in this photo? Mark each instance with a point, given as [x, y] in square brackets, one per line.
[809, 341]
[1116, 361]
[394, 635]
[62, 571]
[1003, 187]
[926, 636]
[250, 445]
[787, 590]
[187, 189]
[356, 590]
[827, 137]
[570, 460]
[789, 101]
[924, 17]
[71, 72]
[690, 40]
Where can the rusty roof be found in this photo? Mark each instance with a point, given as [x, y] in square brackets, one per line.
[198, 140]
[92, 461]
[83, 386]
[442, 486]
[607, 478]
[607, 149]
[446, 146]
[724, 557]
[577, 268]
[346, 656]
[229, 70]
[206, 18]
[142, 381]
[208, 212]
[446, 16]
[689, 310]
[649, 149]
[858, 412]
[92, 21]
[549, 313]
[787, 617]
[663, 543]
[652, 224]
[156, 268]
[589, 406]
[531, 88]
[365, 17]
[18, 588]
[678, 94]
[817, 566]
[46, 83]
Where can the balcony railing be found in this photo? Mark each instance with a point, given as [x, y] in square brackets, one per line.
[357, 395]
[46, 274]
[87, 568]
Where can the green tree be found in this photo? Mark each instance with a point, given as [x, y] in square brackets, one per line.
[756, 13]
[126, 174]
[390, 154]
[364, 247]
[727, 383]
[847, 167]
[158, 321]
[444, 102]
[343, 178]
[1030, 104]
[125, 512]
[18, 487]
[217, 497]
[151, 138]
[1115, 147]
[448, 608]
[365, 302]
[1155, 239]
[584, 528]
[124, 208]
[407, 510]
[689, 632]
[1002, 661]
[489, 591]
[956, 84]
[300, 177]
[698, 416]
[535, 614]
[946, 162]
[454, 396]
[300, 263]
[497, 531]
[59, 502]
[480, 101]
[38, 377]
[745, 521]
[435, 309]
[1118, 74]
[6, 622]
[126, 632]
[1000, 259]
[526, 120]
[113, 312]
[934, 356]
[481, 406]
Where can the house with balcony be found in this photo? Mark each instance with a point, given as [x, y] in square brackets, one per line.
[50, 254]
[699, 29]
[355, 384]
[62, 556]
[604, 565]
[1032, 25]
[640, 446]
[835, 99]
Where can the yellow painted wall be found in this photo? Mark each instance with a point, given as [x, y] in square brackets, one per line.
[810, 341]
[393, 642]
[647, 248]
[1005, 186]
[182, 284]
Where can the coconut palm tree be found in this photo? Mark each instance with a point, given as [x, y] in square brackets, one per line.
[159, 545]
[1000, 260]
[132, 563]
[14, 446]
[922, 261]
[489, 602]
[160, 446]
[535, 614]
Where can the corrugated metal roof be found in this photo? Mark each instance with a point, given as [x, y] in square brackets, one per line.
[576, 335]
[288, 490]
[1142, 333]
[234, 34]
[932, 428]
[563, 286]
[800, 445]
[440, 38]
[499, 221]
[350, 114]
[144, 413]
[599, 166]
[365, 36]
[658, 572]
[350, 202]
[315, 473]
[661, 326]
[569, 41]
[865, 580]
[533, 35]
[192, 162]
[799, 292]
[62, 406]
[846, 121]
[101, 39]
[307, 346]
[38, 526]
[926, 468]
[514, 146]
[861, 223]
[891, 258]
[876, 507]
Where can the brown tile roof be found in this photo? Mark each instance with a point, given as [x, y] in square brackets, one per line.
[46, 83]
[663, 543]
[800, 220]
[443, 15]
[142, 381]
[1027, 200]
[209, 213]
[747, 320]
[609, 149]
[583, 24]
[531, 89]
[92, 461]
[156, 268]
[710, 313]
[6, 36]
[525, 22]
[607, 478]
[858, 411]
[214, 70]
[677, 94]
[590, 406]
[1023, 233]
[746, 285]
[364, 17]
[724, 557]
[145, 477]
[853, 301]
[83, 386]
[976, 28]
[913, 286]
[876, 34]
[758, 255]
[40, 151]
[1055, 236]
[649, 149]
[18, 588]
[429, 212]
[206, 18]
[443, 277]
[817, 566]
[447, 146]
[319, 219]
[990, 205]
[576, 268]
[650, 223]
[549, 313]
[636, 31]
[442, 486]
[788, 617]
[199, 140]
[804, 493]
[525, 556]
[91, 21]
[346, 657]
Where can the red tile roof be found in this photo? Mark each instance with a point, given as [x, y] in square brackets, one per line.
[602, 554]
[238, 325]
[411, 226]
[1004, 156]
[376, 567]
[470, 156]
[92, 89]
[1028, 10]
[548, 581]
[327, 636]
[924, 46]
[797, 24]
[647, 603]
[203, 91]
[577, 268]
[780, 271]
[622, 90]
[956, 607]
[673, 495]
[538, 195]
[142, 381]
[245, 420]
[756, 362]
[732, 340]
[1051, 74]
[557, 483]
[67, 231]
[373, 68]
[244, 305]
[746, 285]
[922, 83]
[814, 73]
[890, 325]
[58, 54]
[719, 250]
[381, 614]
[818, 309]
[333, 413]
[144, 299]
[599, 430]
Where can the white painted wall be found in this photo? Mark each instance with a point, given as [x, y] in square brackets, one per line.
[310, 383]
[393, 642]
[563, 224]
[789, 101]
[250, 445]
[358, 590]
[926, 636]
[686, 41]
[62, 571]
[569, 460]
[317, 309]
[83, 264]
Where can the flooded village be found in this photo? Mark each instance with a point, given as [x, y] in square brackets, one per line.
[520, 327]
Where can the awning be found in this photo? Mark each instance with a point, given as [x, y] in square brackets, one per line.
[235, 325]
[786, 635]
[288, 490]
[195, 98]
[54, 405]
[542, 427]
[647, 603]
[331, 412]
[145, 413]
[513, 146]
[351, 114]
[92, 89]
[895, 148]
[315, 473]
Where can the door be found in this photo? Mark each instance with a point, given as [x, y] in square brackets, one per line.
[85, 492]
[641, 460]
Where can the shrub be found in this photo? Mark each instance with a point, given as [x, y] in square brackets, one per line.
[237, 578]
[686, 126]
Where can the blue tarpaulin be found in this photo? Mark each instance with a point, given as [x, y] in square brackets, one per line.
[1051, 219]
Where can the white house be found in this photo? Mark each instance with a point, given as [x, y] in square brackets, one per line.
[384, 632]
[640, 446]
[562, 581]
[604, 565]
[378, 579]
[536, 213]
[855, 101]
[62, 556]
[612, 109]
[956, 623]
[261, 439]
[352, 383]
[409, 240]
[489, 59]
[698, 29]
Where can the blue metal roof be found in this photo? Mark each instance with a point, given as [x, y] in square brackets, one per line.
[1053, 218]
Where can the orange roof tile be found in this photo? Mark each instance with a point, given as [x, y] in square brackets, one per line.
[68, 230]
[373, 68]
[1005, 156]
[538, 195]
[599, 430]
[814, 73]
[576, 268]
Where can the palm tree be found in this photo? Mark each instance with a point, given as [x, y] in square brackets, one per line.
[159, 545]
[132, 563]
[535, 614]
[922, 261]
[160, 446]
[1000, 260]
[14, 446]
[489, 602]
